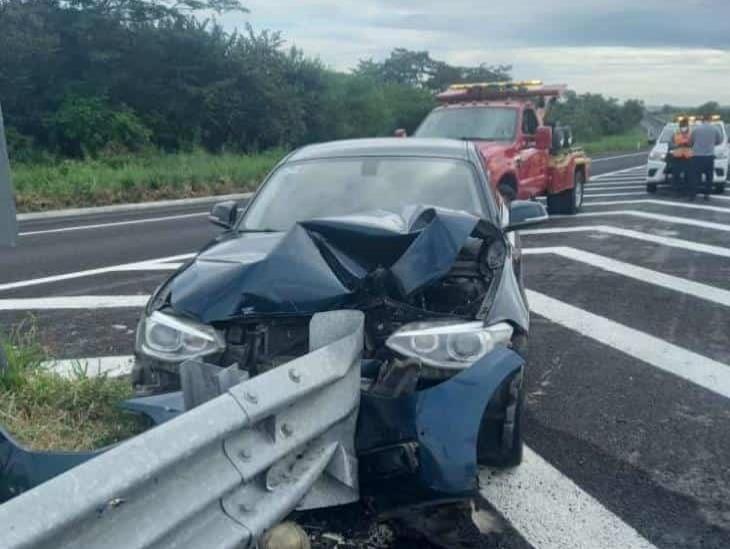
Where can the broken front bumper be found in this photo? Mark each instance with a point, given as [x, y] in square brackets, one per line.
[417, 447]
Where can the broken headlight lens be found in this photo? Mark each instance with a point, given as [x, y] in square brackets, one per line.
[174, 339]
[450, 345]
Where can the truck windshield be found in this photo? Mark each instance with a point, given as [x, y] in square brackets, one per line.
[333, 187]
[487, 123]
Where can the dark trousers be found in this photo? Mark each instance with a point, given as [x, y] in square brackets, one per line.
[704, 167]
[681, 167]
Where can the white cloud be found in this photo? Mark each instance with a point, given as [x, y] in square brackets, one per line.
[622, 48]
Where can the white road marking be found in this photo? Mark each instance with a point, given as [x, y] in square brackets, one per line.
[613, 187]
[693, 367]
[74, 302]
[93, 272]
[636, 235]
[131, 207]
[154, 267]
[112, 366]
[113, 224]
[551, 512]
[636, 170]
[661, 217]
[621, 178]
[608, 195]
[670, 282]
[643, 153]
[687, 205]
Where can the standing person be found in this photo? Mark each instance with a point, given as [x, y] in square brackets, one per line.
[680, 156]
[705, 138]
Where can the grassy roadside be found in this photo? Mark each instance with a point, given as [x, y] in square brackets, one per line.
[625, 142]
[139, 178]
[45, 411]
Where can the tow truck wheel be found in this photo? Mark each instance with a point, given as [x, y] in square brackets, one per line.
[719, 188]
[569, 201]
[651, 188]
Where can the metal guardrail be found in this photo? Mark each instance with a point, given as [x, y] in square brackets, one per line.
[653, 125]
[223, 472]
[8, 221]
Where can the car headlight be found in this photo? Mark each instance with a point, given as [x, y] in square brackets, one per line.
[449, 345]
[656, 155]
[175, 339]
[721, 154]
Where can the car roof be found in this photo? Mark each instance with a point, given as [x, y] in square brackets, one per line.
[385, 146]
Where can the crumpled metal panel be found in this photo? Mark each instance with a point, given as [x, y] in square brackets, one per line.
[201, 479]
[8, 221]
[323, 264]
[447, 449]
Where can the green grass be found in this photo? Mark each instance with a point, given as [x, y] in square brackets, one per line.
[45, 411]
[138, 178]
[626, 142]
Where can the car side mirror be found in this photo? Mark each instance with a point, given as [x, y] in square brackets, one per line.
[544, 138]
[400, 132]
[224, 214]
[525, 213]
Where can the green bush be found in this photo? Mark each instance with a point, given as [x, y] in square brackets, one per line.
[86, 126]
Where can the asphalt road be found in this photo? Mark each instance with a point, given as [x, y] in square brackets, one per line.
[628, 417]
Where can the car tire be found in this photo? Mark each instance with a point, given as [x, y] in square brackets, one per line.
[568, 202]
[651, 188]
[719, 188]
[500, 443]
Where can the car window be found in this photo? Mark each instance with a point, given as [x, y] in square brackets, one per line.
[529, 122]
[333, 187]
[487, 123]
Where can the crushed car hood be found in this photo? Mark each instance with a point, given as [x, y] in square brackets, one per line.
[323, 264]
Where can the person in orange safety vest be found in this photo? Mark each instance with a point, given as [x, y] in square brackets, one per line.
[680, 155]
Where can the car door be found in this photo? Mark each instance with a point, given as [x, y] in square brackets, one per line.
[532, 162]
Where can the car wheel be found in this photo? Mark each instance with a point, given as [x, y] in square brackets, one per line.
[500, 442]
[719, 188]
[651, 188]
[568, 202]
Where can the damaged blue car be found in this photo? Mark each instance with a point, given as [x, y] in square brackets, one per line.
[409, 232]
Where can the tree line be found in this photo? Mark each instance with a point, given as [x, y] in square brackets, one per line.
[81, 78]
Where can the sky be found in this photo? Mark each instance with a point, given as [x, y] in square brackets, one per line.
[661, 51]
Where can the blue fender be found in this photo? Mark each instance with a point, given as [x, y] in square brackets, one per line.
[444, 420]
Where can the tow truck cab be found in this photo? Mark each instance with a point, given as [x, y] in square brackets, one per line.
[524, 157]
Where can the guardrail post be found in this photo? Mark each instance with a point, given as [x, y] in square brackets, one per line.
[8, 222]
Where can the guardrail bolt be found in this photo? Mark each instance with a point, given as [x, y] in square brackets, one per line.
[245, 507]
[286, 430]
[245, 455]
[251, 397]
[294, 375]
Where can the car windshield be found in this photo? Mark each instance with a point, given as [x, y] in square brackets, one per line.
[332, 187]
[487, 123]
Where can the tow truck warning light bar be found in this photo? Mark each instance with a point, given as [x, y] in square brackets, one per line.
[482, 91]
[693, 119]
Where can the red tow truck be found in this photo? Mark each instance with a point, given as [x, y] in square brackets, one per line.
[523, 156]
